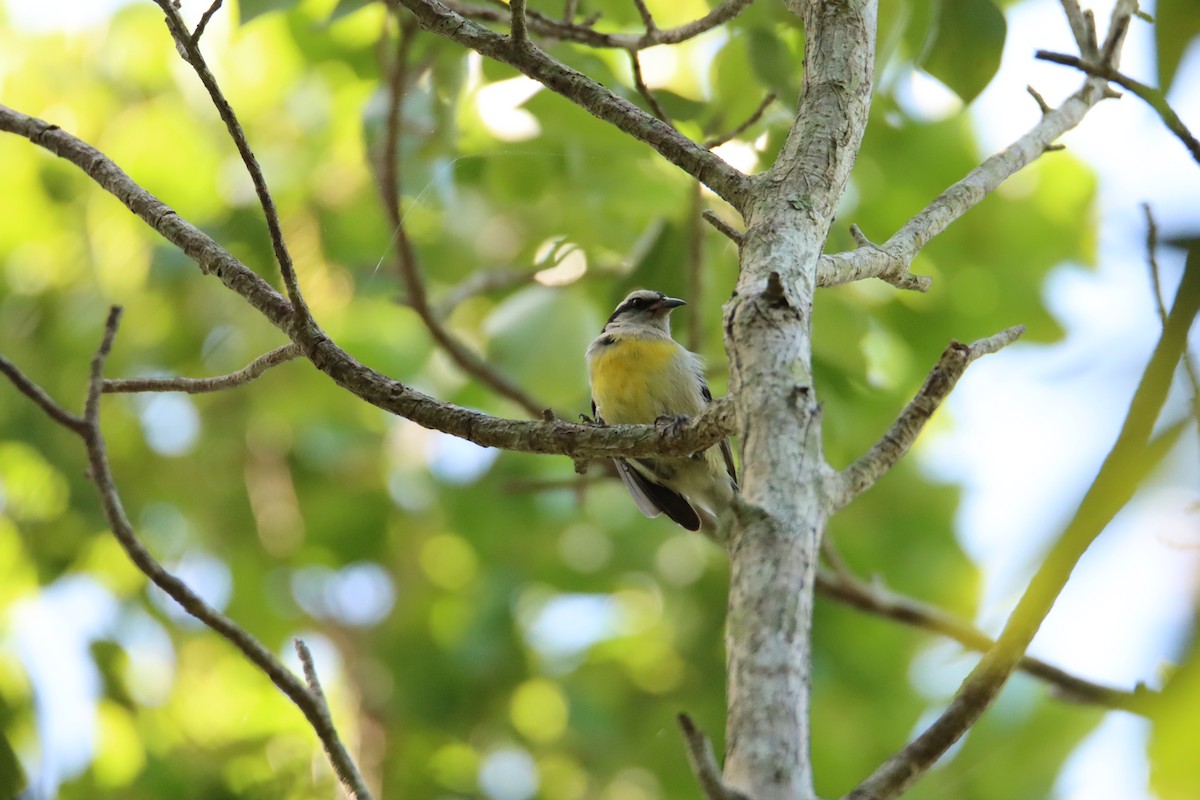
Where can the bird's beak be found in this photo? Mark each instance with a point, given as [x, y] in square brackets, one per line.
[667, 303]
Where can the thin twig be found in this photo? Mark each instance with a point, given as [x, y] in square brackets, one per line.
[241, 377]
[644, 90]
[39, 397]
[721, 139]
[1189, 364]
[409, 266]
[1037, 98]
[704, 762]
[1153, 97]
[647, 17]
[204, 20]
[872, 465]
[1081, 28]
[843, 586]
[519, 29]
[695, 269]
[583, 32]
[194, 58]
[1130, 458]
[732, 233]
[101, 475]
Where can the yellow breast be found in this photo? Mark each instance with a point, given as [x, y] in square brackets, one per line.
[637, 380]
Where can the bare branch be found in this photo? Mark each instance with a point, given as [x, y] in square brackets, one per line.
[733, 234]
[533, 436]
[410, 268]
[644, 90]
[564, 30]
[1043, 106]
[1082, 28]
[844, 587]
[101, 475]
[872, 465]
[1153, 97]
[727, 182]
[647, 17]
[343, 764]
[1189, 364]
[704, 762]
[721, 139]
[483, 282]
[894, 256]
[1130, 458]
[191, 53]
[204, 20]
[233, 380]
[519, 30]
[38, 395]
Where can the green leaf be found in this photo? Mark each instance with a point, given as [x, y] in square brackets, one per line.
[774, 63]
[967, 43]
[1177, 23]
[249, 9]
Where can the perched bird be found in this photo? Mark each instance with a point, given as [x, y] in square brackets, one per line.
[639, 374]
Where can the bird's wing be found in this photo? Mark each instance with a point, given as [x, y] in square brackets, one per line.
[726, 451]
[653, 498]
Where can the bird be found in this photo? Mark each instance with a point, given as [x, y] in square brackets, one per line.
[638, 374]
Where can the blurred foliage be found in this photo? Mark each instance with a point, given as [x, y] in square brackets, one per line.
[457, 610]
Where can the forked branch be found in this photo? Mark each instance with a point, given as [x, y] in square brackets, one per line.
[310, 703]
[1130, 458]
[872, 465]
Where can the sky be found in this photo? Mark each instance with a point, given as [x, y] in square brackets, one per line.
[1031, 425]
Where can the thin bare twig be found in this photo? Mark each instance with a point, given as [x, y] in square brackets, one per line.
[583, 33]
[644, 90]
[191, 53]
[647, 17]
[519, 29]
[1189, 364]
[101, 475]
[843, 586]
[1131, 456]
[732, 233]
[409, 266]
[721, 139]
[39, 397]
[704, 762]
[871, 466]
[1153, 97]
[241, 377]
[204, 20]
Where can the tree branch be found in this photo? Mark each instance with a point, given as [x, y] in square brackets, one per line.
[891, 260]
[533, 436]
[188, 48]
[566, 31]
[209, 13]
[1189, 363]
[1153, 97]
[311, 704]
[754, 117]
[872, 465]
[410, 267]
[1130, 457]
[727, 182]
[38, 395]
[343, 764]
[241, 377]
[704, 762]
[871, 598]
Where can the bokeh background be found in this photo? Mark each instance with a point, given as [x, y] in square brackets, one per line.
[487, 625]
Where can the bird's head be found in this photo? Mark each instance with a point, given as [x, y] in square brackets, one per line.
[645, 308]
